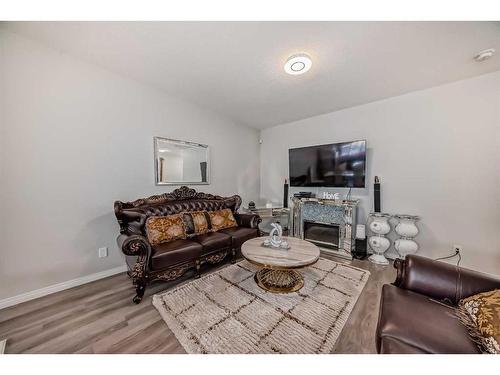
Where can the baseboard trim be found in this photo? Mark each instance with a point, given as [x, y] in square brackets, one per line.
[28, 296]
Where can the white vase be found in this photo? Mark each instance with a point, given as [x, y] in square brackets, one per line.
[379, 245]
[407, 227]
[407, 230]
[380, 226]
[405, 247]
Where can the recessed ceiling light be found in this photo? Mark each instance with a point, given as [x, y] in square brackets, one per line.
[298, 64]
[484, 55]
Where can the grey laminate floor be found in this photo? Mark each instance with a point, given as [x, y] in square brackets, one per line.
[100, 318]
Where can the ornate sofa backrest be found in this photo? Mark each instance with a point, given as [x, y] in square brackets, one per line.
[132, 216]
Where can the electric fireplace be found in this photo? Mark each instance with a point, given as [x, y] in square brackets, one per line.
[323, 234]
[326, 222]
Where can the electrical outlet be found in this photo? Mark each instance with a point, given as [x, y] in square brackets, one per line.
[458, 248]
[103, 252]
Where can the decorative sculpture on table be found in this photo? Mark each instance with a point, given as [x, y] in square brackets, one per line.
[407, 230]
[378, 242]
[276, 238]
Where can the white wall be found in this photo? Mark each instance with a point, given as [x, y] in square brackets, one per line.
[437, 153]
[75, 138]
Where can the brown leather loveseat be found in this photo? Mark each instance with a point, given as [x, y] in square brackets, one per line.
[417, 312]
[170, 260]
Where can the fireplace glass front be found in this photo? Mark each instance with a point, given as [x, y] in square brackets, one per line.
[322, 234]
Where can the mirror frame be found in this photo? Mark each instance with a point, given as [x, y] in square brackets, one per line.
[177, 141]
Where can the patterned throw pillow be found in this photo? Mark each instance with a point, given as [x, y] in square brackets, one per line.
[196, 222]
[222, 219]
[201, 221]
[480, 313]
[161, 229]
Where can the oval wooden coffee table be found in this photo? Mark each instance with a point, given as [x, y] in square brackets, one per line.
[278, 273]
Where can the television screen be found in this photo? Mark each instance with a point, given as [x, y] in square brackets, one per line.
[332, 165]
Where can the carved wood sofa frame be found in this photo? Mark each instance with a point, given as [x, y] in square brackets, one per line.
[132, 241]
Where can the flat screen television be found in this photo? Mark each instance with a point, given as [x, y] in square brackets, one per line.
[331, 165]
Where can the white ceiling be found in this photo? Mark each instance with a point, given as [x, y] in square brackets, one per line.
[236, 68]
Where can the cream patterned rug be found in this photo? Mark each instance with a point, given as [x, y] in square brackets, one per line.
[226, 312]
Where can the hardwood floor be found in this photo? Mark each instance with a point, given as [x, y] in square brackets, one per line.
[100, 317]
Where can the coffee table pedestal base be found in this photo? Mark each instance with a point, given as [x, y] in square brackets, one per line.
[279, 281]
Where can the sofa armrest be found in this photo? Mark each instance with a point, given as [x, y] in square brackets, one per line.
[440, 280]
[134, 245]
[248, 220]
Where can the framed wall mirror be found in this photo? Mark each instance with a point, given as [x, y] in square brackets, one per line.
[181, 163]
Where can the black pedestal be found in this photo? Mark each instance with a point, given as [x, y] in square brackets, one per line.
[360, 249]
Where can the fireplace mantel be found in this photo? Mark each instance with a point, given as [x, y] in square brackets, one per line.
[341, 213]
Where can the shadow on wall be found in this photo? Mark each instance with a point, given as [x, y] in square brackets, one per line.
[99, 232]
[78, 257]
[249, 180]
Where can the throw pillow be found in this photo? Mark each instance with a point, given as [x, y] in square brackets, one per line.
[161, 229]
[480, 313]
[196, 222]
[222, 219]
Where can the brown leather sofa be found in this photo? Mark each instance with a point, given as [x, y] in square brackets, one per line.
[171, 260]
[417, 312]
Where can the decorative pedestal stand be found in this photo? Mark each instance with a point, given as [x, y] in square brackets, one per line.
[380, 226]
[407, 230]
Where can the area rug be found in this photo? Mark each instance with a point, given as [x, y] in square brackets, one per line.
[226, 312]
